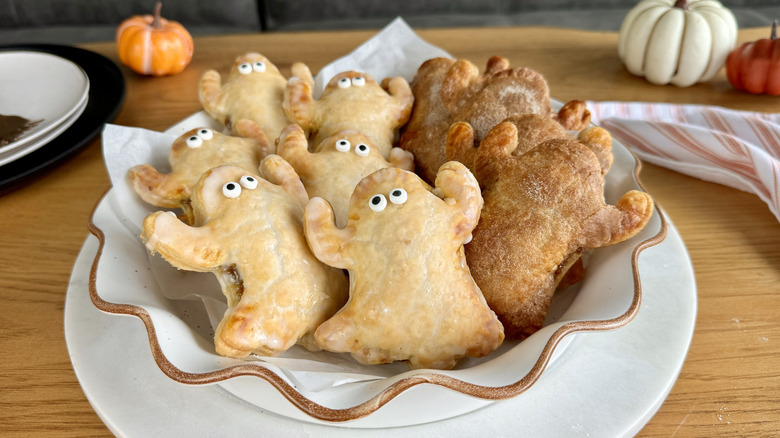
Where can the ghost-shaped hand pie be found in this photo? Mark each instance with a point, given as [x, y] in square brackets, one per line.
[249, 233]
[351, 100]
[543, 207]
[448, 91]
[337, 165]
[411, 295]
[193, 153]
[254, 90]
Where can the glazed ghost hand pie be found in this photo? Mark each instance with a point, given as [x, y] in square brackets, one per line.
[254, 90]
[337, 165]
[249, 233]
[411, 295]
[351, 100]
[193, 153]
[448, 91]
[543, 207]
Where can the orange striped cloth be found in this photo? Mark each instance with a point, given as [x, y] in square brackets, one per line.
[735, 148]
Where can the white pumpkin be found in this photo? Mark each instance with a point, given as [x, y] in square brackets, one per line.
[679, 42]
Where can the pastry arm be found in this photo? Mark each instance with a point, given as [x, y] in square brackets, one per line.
[157, 188]
[459, 145]
[401, 92]
[277, 170]
[293, 146]
[248, 129]
[209, 93]
[183, 246]
[326, 240]
[459, 186]
[299, 102]
[495, 147]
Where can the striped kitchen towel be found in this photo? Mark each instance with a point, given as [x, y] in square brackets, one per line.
[735, 148]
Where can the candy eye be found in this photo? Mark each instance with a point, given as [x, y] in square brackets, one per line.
[361, 149]
[377, 202]
[194, 141]
[344, 83]
[231, 190]
[259, 66]
[245, 68]
[343, 145]
[359, 81]
[398, 196]
[205, 134]
[248, 182]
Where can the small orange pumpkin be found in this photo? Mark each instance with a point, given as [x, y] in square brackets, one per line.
[152, 45]
[754, 67]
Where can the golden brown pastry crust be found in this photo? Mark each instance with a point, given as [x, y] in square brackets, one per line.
[411, 295]
[251, 91]
[448, 91]
[193, 153]
[337, 165]
[278, 293]
[360, 103]
[543, 208]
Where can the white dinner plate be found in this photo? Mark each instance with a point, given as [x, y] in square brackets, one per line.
[608, 384]
[22, 149]
[40, 86]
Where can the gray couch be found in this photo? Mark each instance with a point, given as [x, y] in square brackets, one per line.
[75, 21]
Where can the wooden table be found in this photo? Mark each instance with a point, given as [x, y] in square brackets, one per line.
[729, 384]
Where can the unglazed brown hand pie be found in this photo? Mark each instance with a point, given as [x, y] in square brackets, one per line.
[411, 295]
[254, 90]
[351, 100]
[193, 153]
[337, 165]
[249, 233]
[543, 208]
[448, 91]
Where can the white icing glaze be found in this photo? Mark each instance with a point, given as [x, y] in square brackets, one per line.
[377, 202]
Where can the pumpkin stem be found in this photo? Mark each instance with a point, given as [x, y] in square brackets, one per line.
[156, 17]
[682, 4]
[774, 30]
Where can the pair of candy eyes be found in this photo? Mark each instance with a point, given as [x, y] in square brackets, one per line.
[346, 82]
[344, 145]
[197, 140]
[247, 68]
[379, 202]
[232, 189]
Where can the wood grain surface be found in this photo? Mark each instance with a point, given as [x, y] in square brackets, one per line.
[729, 384]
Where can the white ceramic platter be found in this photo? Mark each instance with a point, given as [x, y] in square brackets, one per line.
[40, 86]
[606, 384]
[320, 387]
[22, 149]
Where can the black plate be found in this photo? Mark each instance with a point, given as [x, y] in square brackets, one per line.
[106, 94]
